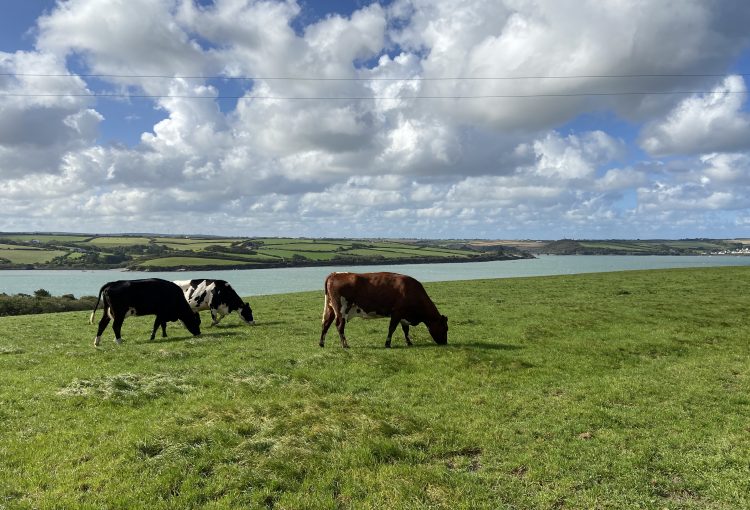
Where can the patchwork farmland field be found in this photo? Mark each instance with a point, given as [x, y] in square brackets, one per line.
[29, 256]
[167, 253]
[172, 253]
[609, 390]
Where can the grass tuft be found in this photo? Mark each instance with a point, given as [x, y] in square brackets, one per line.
[126, 387]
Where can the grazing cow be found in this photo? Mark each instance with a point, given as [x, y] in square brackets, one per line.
[217, 296]
[151, 296]
[375, 295]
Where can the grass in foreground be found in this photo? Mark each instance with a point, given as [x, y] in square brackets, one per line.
[620, 390]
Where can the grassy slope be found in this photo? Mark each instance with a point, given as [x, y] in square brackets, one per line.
[192, 261]
[617, 390]
[654, 246]
[44, 237]
[29, 256]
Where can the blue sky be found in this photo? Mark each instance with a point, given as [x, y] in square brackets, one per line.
[408, 118]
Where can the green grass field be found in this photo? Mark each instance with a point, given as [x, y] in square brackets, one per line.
[44, 238]
[29, 256]
[619, 390]
[192, 261]
[325, 247]
[288, 254]
[654, 245]
[113, 241]
[16, 247]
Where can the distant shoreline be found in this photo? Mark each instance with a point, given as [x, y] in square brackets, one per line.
[276, 265]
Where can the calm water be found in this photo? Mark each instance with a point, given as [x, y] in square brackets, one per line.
[255, 282]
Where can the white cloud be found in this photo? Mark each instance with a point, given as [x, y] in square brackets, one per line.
[703, 123]
[663, 197]
[621, 179]
[564, 38]
[41, 118]
[575, 157]
[123, 38]
[716, 182]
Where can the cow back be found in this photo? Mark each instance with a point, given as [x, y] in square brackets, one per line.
[381, 293]
[149, 296]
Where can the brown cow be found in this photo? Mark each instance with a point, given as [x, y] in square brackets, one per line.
[375, 295]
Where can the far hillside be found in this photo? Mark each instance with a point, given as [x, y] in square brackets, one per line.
[153, 252]
[643, 247]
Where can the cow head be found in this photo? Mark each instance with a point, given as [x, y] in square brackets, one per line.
[439, 330]
[192, 322]
[247, 313]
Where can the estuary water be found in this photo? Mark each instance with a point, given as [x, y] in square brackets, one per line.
[254, 282]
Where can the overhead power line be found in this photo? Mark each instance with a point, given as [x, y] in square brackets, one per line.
[106, 95]
[360, 98]
[313, 78]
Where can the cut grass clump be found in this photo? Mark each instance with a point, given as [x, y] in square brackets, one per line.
[258, 380]
[10, 349]
[126, 387]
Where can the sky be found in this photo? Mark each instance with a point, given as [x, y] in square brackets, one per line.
[500, 119]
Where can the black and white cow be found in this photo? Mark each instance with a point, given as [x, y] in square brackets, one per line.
[217, 296]
[151, 296]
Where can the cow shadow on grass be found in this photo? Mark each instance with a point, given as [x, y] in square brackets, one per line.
[489, 346]
[206, 336]
[262, 324]
[241, 325]
[460, 345]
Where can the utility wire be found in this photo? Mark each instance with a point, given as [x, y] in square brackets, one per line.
[354, 98]
[350, 79]
[310, 78]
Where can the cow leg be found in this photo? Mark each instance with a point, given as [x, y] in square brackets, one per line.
[159, 322]
[117, 327]
[215, 318]
[340, 325]
[391, 328]
[156, 326]
[102, 326]
[405, 328]
[328, 317]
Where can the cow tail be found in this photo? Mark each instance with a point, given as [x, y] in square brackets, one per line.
[325, 296]
[91, 318]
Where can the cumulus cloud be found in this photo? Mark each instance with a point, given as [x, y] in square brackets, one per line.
[41, 118]
[566, 38]
[703, 123]
[376, 157]
[138, 37]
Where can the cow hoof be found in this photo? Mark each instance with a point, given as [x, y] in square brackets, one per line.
[118, 341]
[97, 341]
[322, 344]
[387, 345]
